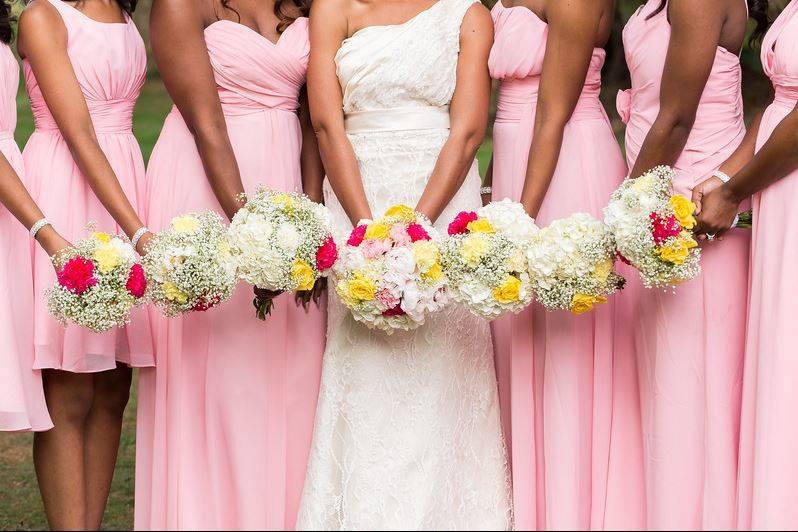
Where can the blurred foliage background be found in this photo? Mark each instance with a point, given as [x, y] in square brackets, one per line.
[20, 506]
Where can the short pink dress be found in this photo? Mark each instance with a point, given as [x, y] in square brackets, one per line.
[109, 61]
[225, 421]
[691, 340]
[569, 397]
[769, 434]
[22, 405]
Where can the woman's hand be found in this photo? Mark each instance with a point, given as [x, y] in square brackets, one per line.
[52, 243]
[720, 208]
[142, 246]
[704, 188]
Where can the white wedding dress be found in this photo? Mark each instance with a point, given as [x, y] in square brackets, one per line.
[407, 433]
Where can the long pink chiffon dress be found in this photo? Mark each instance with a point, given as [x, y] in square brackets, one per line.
[690, 340]
[109, 61]
[769, 434]
[22, 405]
[226, 419]
[570, 401]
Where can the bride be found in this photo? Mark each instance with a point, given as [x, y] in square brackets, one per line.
[407, 431]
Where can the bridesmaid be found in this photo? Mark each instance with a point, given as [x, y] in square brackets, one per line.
[225, 422]
[685, 109]
[84, 66]
[567, 395]
[768, 462]
[22, 403]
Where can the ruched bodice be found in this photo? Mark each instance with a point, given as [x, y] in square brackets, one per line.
[253, 73]
[780, 56]
[110, 64]
[8, 92]
[719, 117]
[519, 66]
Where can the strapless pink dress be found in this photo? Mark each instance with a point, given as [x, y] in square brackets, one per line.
[691, 340]
[569, 397]
[22, 405]
[769, 434]
[109, 61]
[226, 419]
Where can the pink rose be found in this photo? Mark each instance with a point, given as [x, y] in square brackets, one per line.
[326, 255]
[77, 275]
[664, 228]
[387, 299]
[357, 236]
[399, 235]
[417, 232]
[375, 248]
[460, 224]
[136, 281]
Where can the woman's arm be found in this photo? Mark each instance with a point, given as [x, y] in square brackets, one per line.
[14, 196]
[178, 43]
[43, 41]
[310, 160]
[696, 27]
[777, 158]
[572, 35]
[469, 113]
[328, 29]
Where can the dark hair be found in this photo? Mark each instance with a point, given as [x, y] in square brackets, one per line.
[128, 6]
[6, 19]
[280, 8]
[757, 11]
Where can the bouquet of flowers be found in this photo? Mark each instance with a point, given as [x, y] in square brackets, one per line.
[571, 264]
[652, 228]
[484, 259]
[281, 242]
[190, 265]
[99, 283]
[390, 275]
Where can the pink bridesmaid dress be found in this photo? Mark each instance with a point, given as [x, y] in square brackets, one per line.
[691, 340]
[226, 420]
[109, 61]
[569, 400]
[769, 434]
[22, 405]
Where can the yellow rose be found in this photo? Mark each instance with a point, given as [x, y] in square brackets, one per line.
[683, 209]
[342, 288]
[473, 248]
[361, 288]
[185, 224]
[303, 275]
[602, 270]
[677, 251]
[582, 303]
[426, 254]
[173, 293]
[377, 231]
[509, 291]
[480, 226]
[105, 238]
[284, 201]
[402, 212]
[107, 257]
[433, 274]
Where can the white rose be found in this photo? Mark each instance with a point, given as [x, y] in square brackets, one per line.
[400, 260]
[288, 237]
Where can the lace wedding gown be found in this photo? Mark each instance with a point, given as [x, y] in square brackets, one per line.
[407, 431]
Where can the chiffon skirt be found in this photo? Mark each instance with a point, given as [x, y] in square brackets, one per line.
[226, 419]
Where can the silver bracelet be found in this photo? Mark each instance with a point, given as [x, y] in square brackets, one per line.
[136, 237]
[723, 176]
[486, 190]
[38, 227]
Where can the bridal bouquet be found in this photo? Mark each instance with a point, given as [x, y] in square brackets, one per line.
[99, 283]
[190, 265]
[571, 264]
[281, 242]
[390, 275]
[653, 229]
[484, 259]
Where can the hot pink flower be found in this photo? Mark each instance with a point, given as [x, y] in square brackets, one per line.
[136, 281]
[77, 275]
[417, 232]
[357, 236]
[395, 311]
[664, 228]
[461, 221]
[399, 235]
[326, 255]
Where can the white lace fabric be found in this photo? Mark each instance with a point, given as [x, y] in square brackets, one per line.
[407, 433]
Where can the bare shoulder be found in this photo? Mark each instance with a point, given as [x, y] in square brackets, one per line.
[40, 22]
[40, 12]
[326, 8]
[477, 23]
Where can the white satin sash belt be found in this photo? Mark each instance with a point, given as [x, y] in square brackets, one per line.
[404, 119]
